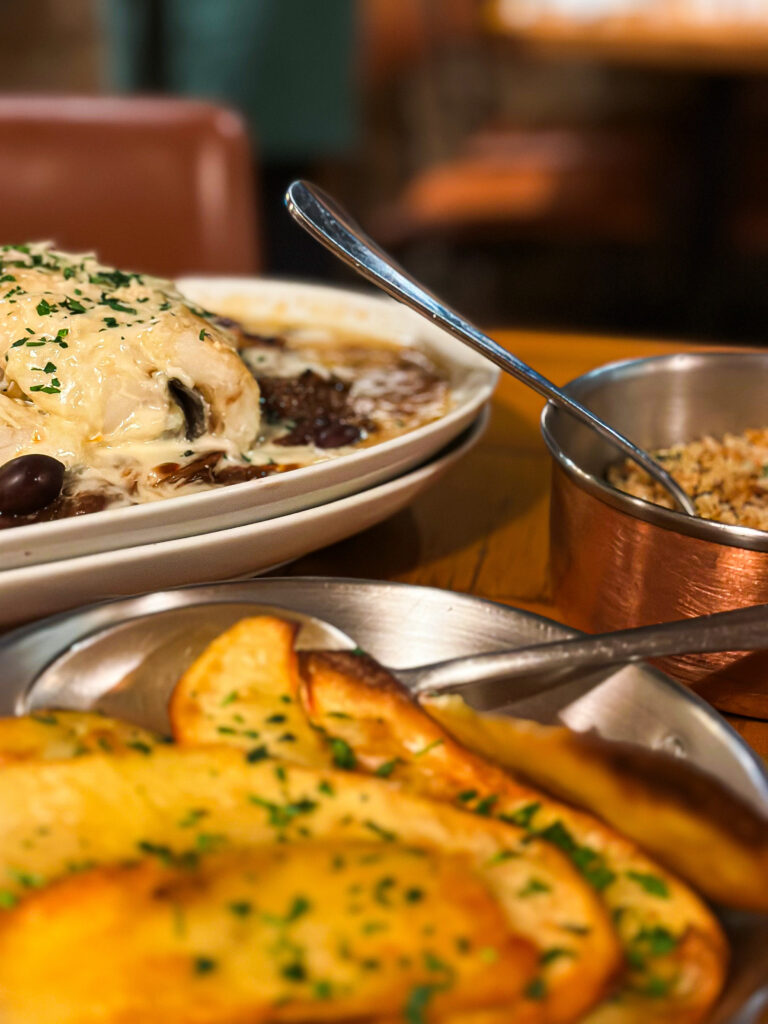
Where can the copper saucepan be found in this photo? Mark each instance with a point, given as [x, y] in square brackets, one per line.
[618, 561]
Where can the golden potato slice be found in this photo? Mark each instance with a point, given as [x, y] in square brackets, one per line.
[698, 829]
[242, 691]
[308, 932]
[49, 735]
[675, 950]
[182, 802]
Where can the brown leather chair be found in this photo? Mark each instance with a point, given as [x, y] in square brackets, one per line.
[159, 185]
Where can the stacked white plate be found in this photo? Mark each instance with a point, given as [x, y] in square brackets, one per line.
[250, 527]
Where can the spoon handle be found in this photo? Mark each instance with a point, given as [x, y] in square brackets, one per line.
[326, 221]
[506, 676]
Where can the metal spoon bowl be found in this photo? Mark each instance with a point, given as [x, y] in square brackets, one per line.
[130, 668]
[326, 221]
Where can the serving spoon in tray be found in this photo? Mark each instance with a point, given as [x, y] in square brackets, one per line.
[124, 657]
[326, 221]
[129, 668]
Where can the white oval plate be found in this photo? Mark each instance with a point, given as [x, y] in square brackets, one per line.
[238, 504]
[38, 590]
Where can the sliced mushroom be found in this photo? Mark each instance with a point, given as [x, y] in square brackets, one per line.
[192, 405]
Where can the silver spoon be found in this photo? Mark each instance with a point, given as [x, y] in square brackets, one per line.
[326, 221]
[130, 669]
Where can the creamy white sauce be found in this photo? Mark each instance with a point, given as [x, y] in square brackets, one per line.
[87, 354]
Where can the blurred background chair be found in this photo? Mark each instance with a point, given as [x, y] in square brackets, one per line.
[594, 166]
[161, 185]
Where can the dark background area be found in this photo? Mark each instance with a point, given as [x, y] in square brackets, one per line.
[528, 186]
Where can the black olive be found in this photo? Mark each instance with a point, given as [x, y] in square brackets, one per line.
[191, 403]
[29, 483]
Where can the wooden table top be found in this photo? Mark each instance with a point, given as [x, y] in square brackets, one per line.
[674, 40]
[483, 528]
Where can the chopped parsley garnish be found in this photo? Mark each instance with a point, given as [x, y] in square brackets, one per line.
[576, 929]
[232, 695]
[556, 953]
[414, 895]
[651, 884]
[116, 304]
[241, 908]
[73, 305]
[204, 965]
[140, 746]
[257, 754]
[193, 816]
[536, 989]
[281, 815]
[382, 889]
[44, 308]
[295, 971]
[298, 908]
[385, 770]
[416, 1004]
[590, 863]
[429, 746]
[485, 806]
[113, 278]
[7, 900]
[501, 857]
[208, 841]
[533, 886]
[342, 754]
[166, 855]
[382, 833]
[652, 941]
[655, 988]
[523, 816]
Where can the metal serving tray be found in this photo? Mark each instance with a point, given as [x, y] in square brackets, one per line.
[401, 626]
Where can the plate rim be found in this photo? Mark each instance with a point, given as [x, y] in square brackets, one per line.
[111, 520]
[453, 450]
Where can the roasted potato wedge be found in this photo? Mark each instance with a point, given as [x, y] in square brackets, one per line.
[308, 932]
[179, 803]
[692, 825]
[675, 951]
[242, 691]
[49, 735]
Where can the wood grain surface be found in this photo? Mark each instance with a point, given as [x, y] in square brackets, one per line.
[483, 528]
